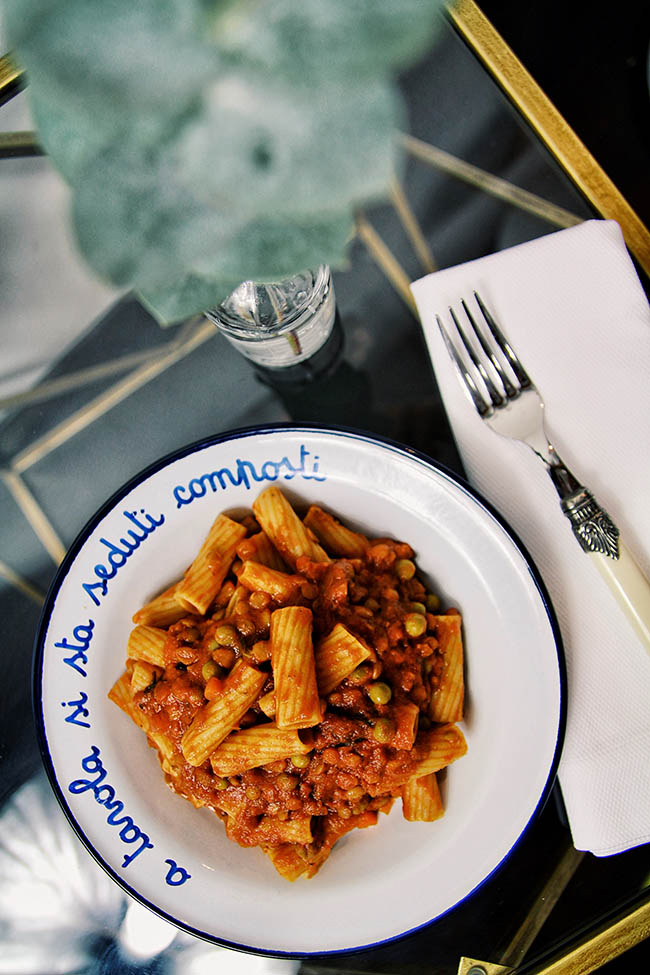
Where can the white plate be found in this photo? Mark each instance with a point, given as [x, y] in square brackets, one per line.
[95, 755]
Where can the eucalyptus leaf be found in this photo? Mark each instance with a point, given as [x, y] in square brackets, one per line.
[311, 42]
[211, 141]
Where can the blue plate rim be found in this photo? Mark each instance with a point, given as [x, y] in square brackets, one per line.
[241, 433]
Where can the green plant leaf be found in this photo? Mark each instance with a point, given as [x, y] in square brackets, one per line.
[211, 141]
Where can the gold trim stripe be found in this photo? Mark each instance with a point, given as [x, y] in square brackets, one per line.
[10, 73]
[82, 377]
[540, 909]
[97, 407]
[411, 226]
[540, 113]
[488, 183]
[604, 946]
[467, 965]
[19, 144]
[35, 516]
[383, 256]
[19, 582]
[11, 79]
[588, 956]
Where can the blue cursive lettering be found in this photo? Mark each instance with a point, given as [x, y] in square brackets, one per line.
[81, 635]
[246, 473]
[119, 552]
[176, 875]
[80, 711]
[105, 795]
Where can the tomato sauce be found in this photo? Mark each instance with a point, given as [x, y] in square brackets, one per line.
[361, 750]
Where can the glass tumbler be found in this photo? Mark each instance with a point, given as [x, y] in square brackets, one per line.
[288, 329]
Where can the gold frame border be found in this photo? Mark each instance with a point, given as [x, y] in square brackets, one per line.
[549, 125]
[11, 77]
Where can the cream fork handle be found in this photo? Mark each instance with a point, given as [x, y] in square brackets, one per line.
[599, 537]
[630, 588]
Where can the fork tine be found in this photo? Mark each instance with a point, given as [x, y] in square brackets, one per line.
[494, 394]
[519, 371]
[480, 405]
[509, 389]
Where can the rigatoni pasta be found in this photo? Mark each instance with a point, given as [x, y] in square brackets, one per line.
[438, 748]
[203, 579]
[447, 698]
[298, 680]
[286, 531]
[217, 717]
[259, 548]
[164, 610]
[297, 704]
[259, 745]
[143, 676]
[147, 643]
[121, 693]
[337, 655]
[280, 586]
[337, 538]
[421, 799]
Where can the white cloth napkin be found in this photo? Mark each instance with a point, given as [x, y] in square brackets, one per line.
[574, 311]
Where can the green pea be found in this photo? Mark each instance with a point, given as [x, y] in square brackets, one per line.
[433, 602]
[379, 693]
[415, 624]
[300, 761]
[418, 608]
[383, 730]
[405, 569]
[361, 673]
[252, 792]
[227, 635]
[284, 781]
[209, 669]
[211, 645]
[356, 793]
[220, 783]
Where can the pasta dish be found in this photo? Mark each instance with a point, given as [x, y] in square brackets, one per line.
[298, 680]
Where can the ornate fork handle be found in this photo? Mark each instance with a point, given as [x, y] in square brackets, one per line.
[599, 537]
[591, 525]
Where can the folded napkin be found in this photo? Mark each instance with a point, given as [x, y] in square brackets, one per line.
[574, 311]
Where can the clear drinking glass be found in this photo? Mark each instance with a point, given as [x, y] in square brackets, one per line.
[289, 329]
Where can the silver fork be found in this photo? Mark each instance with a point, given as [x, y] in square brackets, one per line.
[505, 397]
